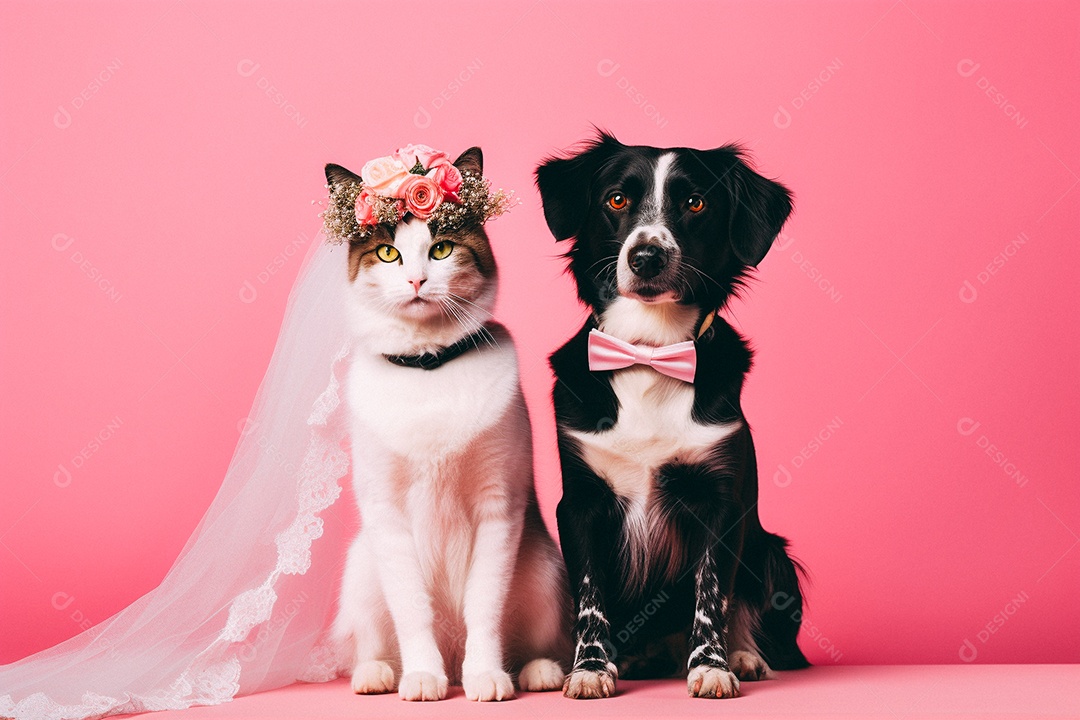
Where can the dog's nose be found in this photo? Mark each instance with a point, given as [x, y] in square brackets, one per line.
[647, 260]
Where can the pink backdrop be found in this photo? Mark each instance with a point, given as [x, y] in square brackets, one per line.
[915, 392]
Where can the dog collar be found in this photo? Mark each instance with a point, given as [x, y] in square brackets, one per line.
[706, 324]
[430, 361]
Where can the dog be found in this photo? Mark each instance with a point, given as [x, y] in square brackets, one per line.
[670, 568]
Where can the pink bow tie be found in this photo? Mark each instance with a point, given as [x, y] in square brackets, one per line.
[610, 353]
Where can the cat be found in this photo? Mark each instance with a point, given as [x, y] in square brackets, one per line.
[453, 576]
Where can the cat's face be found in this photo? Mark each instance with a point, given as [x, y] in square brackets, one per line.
[411, 273]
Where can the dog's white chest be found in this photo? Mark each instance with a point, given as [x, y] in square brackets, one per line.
[654, 428]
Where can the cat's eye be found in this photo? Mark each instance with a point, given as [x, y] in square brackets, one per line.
[617, 201]
[441, 250]
[695, 203]
[387, 253]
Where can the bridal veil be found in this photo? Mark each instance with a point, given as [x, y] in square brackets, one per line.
[247, 604]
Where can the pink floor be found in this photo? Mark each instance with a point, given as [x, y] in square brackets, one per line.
[900, 691]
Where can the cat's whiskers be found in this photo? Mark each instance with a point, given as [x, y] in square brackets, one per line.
[484, 333]
[452, 313]
[459, 314]
[457, 300]
[465, 300]
[383, 305]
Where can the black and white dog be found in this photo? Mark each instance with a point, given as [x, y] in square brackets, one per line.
[668, 562]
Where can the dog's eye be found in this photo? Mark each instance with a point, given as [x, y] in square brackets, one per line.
[387, 253]
[695, 203]
[618, 201]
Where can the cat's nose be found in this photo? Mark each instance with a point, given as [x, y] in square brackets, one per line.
[416, 284]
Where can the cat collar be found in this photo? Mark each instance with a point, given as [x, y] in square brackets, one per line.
[430, 361]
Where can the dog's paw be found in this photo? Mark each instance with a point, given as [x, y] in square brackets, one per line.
[373, 677]
[541, 674]
[748, 665]
[712, 682]
[590, 684]
[487, 686]
[422, 686]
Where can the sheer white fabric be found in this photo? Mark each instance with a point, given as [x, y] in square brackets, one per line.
[248, 602]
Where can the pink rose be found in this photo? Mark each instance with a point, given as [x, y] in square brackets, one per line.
[365, 207]
[384, 175]
[448, 178]
[427, 157]
[422, 195]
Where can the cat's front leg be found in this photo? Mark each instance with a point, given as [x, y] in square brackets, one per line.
[423, 672]
[495, 550]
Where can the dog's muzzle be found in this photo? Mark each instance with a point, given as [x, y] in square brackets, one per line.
[647, 267]
[647, 260]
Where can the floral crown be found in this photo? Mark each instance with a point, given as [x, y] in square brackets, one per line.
[415, 179]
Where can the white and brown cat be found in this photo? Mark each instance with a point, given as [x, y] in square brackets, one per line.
[453, 576]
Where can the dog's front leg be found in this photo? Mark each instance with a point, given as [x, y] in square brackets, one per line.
[593, 675]
[709, 674]
[585, 530]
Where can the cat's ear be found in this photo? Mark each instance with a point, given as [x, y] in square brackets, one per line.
[337, 175]
[471, 160]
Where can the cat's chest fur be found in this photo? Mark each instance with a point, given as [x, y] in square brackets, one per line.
[420, 414]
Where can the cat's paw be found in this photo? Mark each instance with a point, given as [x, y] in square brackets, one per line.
[748, 665]
[541, 674]
[422, 686]
[712, 682]
[373, 677]
[487, 686]
[590, 684]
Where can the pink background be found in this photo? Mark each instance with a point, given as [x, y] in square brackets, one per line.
[157, 166]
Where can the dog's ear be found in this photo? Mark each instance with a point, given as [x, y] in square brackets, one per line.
[471, 160]
[759, 206]
[565, 185]
[337, 175]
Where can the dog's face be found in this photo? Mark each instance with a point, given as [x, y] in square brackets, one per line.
[660, 224]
